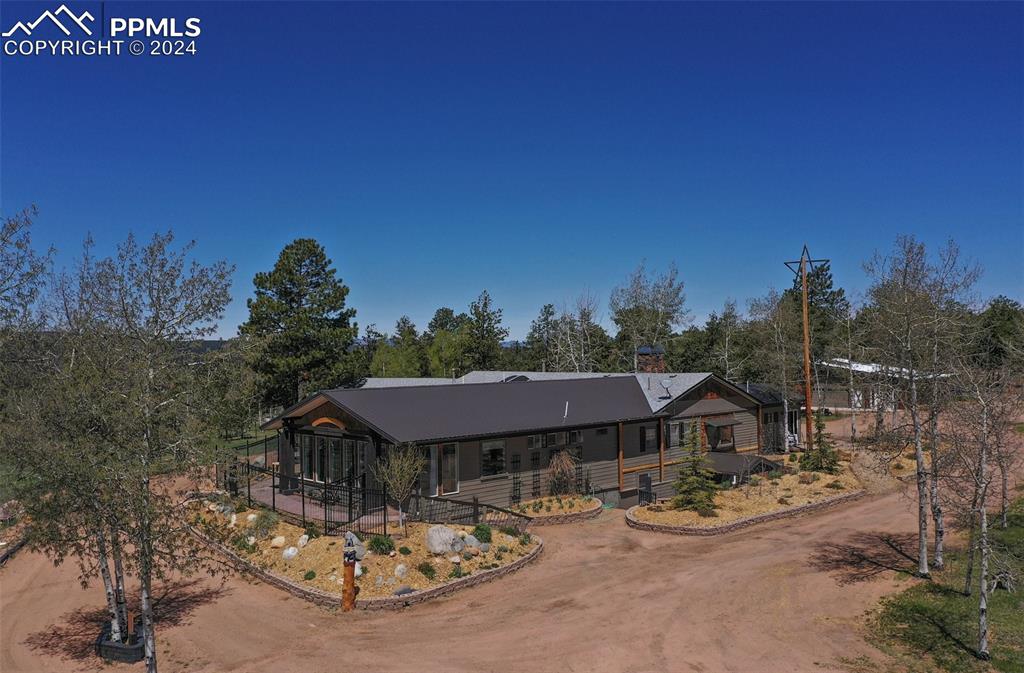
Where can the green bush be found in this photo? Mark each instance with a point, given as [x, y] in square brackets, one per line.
[381, 544]
[822, 456]
[793, 458]
[310, 574]
[525, 538]
[240, 543]
[404, 551]
[457, 572]
[313, 530]
[265, 522]
[503, 549]
[482, 532]
[837, 485]
[427, 570]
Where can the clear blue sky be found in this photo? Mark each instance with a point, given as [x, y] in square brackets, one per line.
[536, 150]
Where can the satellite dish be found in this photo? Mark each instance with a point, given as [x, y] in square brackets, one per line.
[665, 383]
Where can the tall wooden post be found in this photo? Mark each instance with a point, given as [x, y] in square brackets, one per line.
[622, 476]
[661, 449]
[809, 441]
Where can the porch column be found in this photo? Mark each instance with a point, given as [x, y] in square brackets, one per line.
[661, 449]
[622, 476]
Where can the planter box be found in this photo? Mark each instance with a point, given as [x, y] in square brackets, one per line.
[128, 653]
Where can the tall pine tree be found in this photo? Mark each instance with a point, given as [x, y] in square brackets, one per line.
[302, 324]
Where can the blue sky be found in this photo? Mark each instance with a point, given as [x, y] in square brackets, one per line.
[536, 150]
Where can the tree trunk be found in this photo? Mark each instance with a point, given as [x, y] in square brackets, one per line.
[1005, 496]
[922, 482]
[149, 634]
[972, 544]
[785, 422]
[122, 605]
[937, 514]
[983, 652]
[116, 634]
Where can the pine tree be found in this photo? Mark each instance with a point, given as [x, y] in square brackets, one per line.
[822, 457]
[695, 487]
[300, 319]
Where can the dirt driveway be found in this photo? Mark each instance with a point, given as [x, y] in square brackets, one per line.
[786, 596]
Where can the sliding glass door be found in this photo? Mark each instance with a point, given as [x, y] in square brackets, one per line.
[450, 468]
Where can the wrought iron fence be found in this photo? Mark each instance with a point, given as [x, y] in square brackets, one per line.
[446, 510]
[333, 507]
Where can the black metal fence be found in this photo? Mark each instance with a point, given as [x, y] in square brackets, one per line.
[333, 507]
[445, 510]
[645, 490]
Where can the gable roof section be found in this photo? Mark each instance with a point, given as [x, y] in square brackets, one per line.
[433, 413]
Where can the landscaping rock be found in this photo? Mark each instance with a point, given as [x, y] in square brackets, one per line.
[290, 553]
[213, 507]
[458, 545]
[251, 540]
[471, 541]
[485, 547]
[473, 551]
[234, 520]
[462, 534]
[392, 553]
[359, 569]
[277, 542]
[350, 538]
[400, 570]
[456, 560]
[379, 582]
[250, 518]
[303, 541]
[403, 590]
[440, 539]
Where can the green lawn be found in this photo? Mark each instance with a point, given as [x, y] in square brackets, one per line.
[1019, 428]
[932, 625]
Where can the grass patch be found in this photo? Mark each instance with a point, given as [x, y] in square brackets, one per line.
[1019, 428]
[932, 625]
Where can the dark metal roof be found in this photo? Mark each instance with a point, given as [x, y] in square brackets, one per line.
[424, 413]
[764, 393]
[738, 463]
[721, 422]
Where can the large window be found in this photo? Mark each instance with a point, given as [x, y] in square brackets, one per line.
[673, 434]
[648, 439]
[492, 458]
[428, 478]
[450, 468]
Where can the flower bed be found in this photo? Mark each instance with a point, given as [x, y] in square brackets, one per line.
[554, 510]
[763, 499]
[406, 572]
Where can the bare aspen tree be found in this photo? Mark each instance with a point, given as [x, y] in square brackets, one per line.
[578, 339]
[647, 308]
[902, 316]
[777, 345]
[398, 470]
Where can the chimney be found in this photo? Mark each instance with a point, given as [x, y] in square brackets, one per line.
[651, 360]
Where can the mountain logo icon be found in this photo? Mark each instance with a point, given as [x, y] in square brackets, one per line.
[63, 10]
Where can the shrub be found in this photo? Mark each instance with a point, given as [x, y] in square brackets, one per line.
[381, 544]
[775, 474]
[265, 522]
[793, 458]
[310, 574]
[537, 506]
[783, 501]
[427, 570]
[835, 484]
[548, 508]
[457, 572]
[241, 544]
[525, 538]
[404, 551]
[498, 556]
[313, 530]
[503, 549]
[482, 532]
[562, 474]
[822, 457]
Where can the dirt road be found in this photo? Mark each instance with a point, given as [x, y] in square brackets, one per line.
[786, 596]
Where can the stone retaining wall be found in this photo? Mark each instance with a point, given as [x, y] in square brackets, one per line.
[573, 517]
[741, 523]
[329, 600]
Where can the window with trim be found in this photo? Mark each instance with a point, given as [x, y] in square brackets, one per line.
[492, 457]
[720, 435]
[575, 436]
[673, 434]
[648, 439]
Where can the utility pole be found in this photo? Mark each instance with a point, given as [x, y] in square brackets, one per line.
[806, 263]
